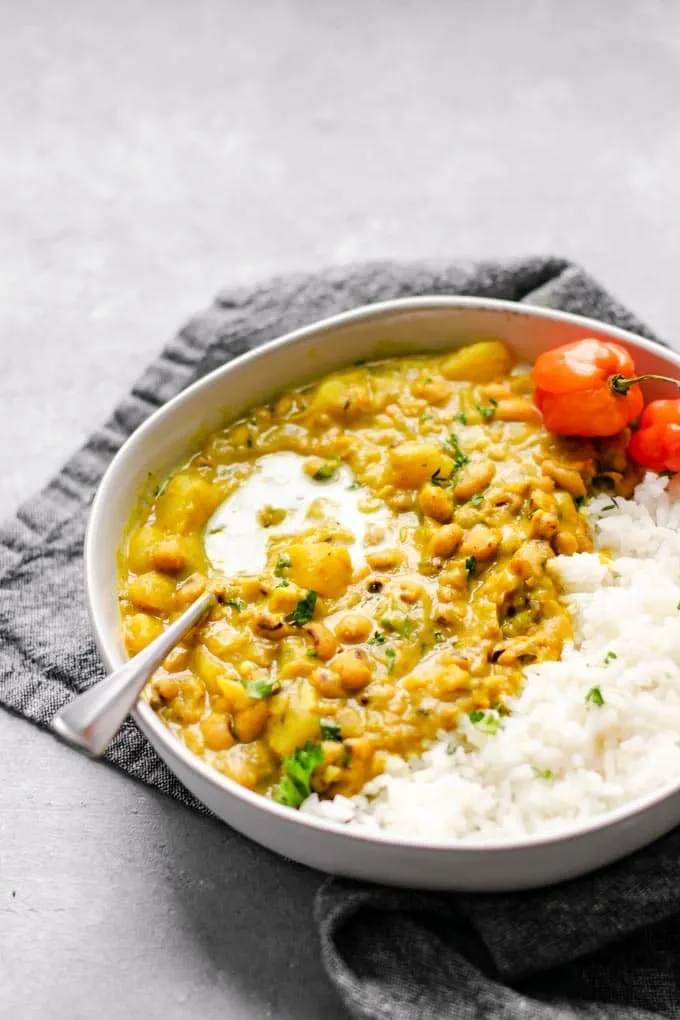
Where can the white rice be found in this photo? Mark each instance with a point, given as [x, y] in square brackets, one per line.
[558, 758]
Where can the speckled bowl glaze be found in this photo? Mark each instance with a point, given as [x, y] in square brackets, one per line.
[395, 327]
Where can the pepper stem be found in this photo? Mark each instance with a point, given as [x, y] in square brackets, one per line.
[619, 384]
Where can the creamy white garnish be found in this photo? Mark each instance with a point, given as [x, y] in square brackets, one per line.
[235, 540]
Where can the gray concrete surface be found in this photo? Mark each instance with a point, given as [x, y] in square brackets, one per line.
[149, 154]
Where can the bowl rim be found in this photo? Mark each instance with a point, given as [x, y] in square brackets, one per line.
[147, 719]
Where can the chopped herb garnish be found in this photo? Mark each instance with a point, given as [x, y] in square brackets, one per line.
[402, 627]
[377, 639]
[477, 500]
[283, 583]
[438, 636]
[594, 696]
[426, 416]
[486, 722]
[609, 657]
[353, 486]
[544, 773]
[460, 459]
[295, 785]
[391, 656]
[579, 501]
[249, 443]
[678, 606]
[325, 472]
[330, 730]
[237, 604]
[312, 653]
[460, 417]
[488, 412]
[470, 565]
[215, 531]
[441, 482]
[283, 563]
[611, 506]
[261, 688]
[304, 610]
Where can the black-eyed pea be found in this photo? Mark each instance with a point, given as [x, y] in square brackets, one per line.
[324, 641]
[327, 683]
[446, 541]
[480, 542]
[353, 669]
[436, 502]
[544, 524]
[516, 409]
[217, 735]
[168, 556]
[167, 687]
[248, 724]
[177, 659]
[434, 391]
[566, 543]
[189, 590]
[473, 479]
[385, 559]
[271, 626]
[566, 477]
[410, 590]
[353, 628]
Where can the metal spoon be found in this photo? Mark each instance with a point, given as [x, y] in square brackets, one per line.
[91, 721]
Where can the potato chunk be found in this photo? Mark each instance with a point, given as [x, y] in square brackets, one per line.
[186, 503]
[153, 591]
[412, 464]
[481, 362]
[325, 568]
[294, 718]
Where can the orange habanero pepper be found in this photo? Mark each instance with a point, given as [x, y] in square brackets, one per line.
[582, 390]
[656, 444]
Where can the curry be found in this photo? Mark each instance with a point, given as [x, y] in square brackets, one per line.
[378, 545]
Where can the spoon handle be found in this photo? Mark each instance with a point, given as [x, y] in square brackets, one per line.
[91, 721]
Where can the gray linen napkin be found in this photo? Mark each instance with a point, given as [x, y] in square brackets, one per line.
[604, 945]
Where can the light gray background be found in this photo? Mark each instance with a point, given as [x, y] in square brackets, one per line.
[151, 153]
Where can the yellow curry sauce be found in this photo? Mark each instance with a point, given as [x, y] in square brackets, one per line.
[392, 580]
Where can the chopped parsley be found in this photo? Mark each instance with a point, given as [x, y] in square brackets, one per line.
[283, 563]
[460, 459]
[237, 604]
[249, 443]
[426, 416]
[441, 482]
[283, 583]
[611, 506]
[477, 500]
[326, 471]
[579, 501]
[354, 486]
[438, 636]
[487, 413]
[470, 565]
[295, 785]
[544, 773]
[401, 626]
[594, 697]
[609, 657]
[312, 653]
[216, 531]
[304, 610]
[391, 656]
[485, 722]
[261, 688]
[330, 730]
[377, 639]
[461, 418]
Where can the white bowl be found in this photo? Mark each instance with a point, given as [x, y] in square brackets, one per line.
[394, 327]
